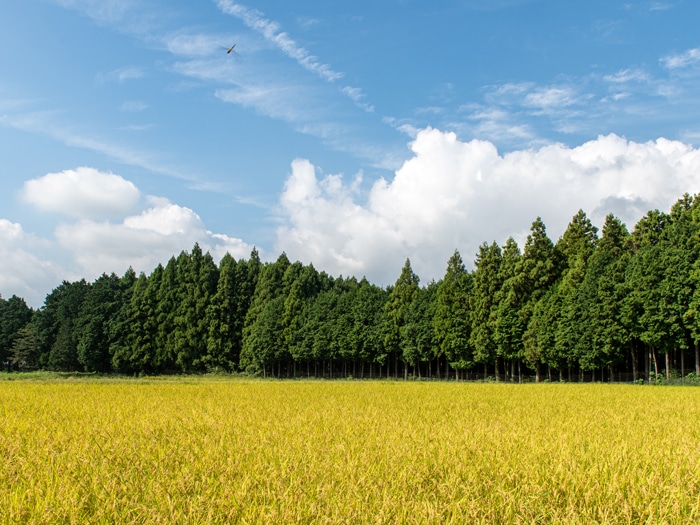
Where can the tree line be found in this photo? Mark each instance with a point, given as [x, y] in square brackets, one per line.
[616, 306]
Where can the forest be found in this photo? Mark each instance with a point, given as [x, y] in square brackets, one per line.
[612, 305]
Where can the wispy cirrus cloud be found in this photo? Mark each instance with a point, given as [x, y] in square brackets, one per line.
[521, 114]
[682, 60]
[121, 75]
[48, 123]
[625, 76]
[272, 32]
[133, 106]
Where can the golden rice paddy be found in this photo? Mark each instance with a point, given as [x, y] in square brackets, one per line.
[210, 450]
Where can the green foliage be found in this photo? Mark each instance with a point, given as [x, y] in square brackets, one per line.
[14, 316]
[587, 305]
[452, 318]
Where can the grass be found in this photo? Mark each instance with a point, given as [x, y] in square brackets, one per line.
[213, 450]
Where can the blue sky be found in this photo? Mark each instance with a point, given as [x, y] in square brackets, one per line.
[350, 135]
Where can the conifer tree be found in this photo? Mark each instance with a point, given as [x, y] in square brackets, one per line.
[452, 319]
[400, 300]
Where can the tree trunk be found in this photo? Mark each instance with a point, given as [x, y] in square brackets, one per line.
[682, 366]
[520, 373]
[656, 364]
[496, 370]
[647, 365]
[668, 365]
[697, 358]
[537, 373]
[634, 362]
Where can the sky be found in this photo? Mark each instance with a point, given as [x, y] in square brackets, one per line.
[349, 135]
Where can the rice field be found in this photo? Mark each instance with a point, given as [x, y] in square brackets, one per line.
[212, 450]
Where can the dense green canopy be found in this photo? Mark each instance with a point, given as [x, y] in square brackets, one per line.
[619, 306]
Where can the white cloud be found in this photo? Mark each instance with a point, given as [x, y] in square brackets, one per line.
[453, 194]
[357, 96]
[121, 75]
[681, 60]
[551, 98]
[111, 233]
[106, 11]
[627, 75]
[82, 193]
[143, 240]
[272, 33]
[195, 44]
[25, 270]
[284, 102]
[270, 30]
[43, 122]
[133, 106]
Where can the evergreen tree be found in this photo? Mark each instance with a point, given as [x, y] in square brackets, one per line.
[507, 323]
[418, 333]
[197, 278]
[262, 332]
[165, 285]
[100, 305]
[487, 283]
[135, 348]
[228, 310]
[367, 314]
[55, 326]
[566, 316]
[223, 343]
[24, 354]
[601, 336]
[645, 274]
[14, 315]
[537, 270]
[452, 320]
[398, 305]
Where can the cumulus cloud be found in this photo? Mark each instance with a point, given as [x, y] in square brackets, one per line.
[24, 269]
[109, 228]
[143, 240]
[82, 193]
[453, 194]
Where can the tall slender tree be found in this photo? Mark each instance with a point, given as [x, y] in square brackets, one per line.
[487, 283]
[398, 305]
[452, 319]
